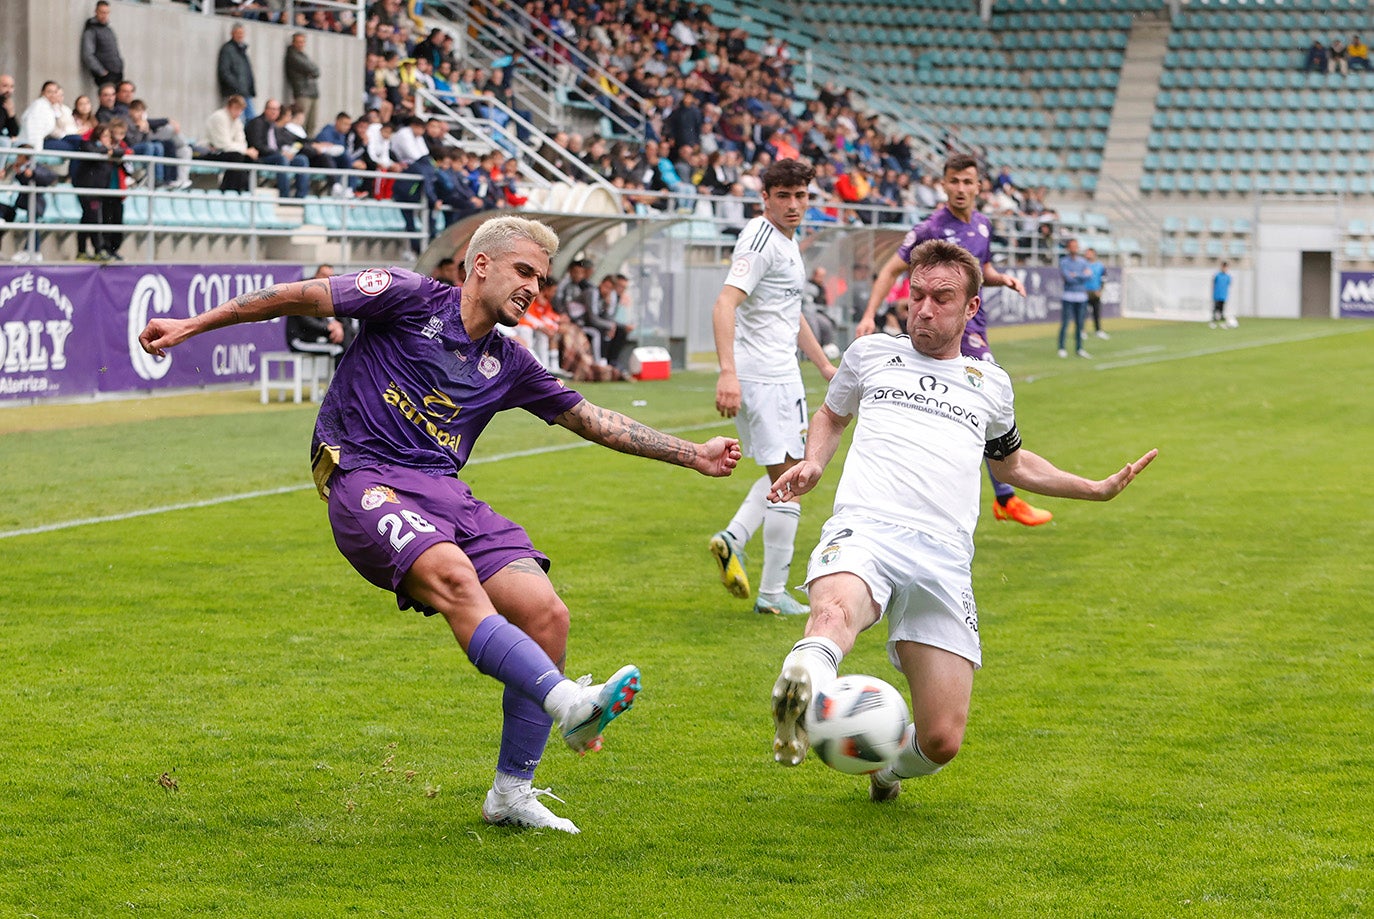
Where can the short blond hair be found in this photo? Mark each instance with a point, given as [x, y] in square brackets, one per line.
[499, 235]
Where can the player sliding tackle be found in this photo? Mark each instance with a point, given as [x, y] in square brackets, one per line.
[410, 397]
[900, 543]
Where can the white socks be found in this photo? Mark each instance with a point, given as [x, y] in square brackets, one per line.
[910, 761]
[779, 522]
[561, 698]
[819, 657]
[508, 784]
[749, 517]
[779, 535]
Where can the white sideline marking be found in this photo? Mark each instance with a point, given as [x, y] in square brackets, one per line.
[288, 489]
[1201, 352]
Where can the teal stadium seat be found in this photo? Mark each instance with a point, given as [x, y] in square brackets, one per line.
[63, 207]
[135, 210]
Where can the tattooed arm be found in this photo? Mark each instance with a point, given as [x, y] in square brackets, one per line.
[302, 298]
[716, 457]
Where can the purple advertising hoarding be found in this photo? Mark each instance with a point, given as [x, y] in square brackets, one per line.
[1357, 295]
[73, 332]
[1044, 286]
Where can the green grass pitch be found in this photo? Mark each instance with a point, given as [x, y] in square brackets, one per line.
[204, 711]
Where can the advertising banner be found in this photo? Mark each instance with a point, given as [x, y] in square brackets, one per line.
[72, 332]
[1357, 295]
[1044, 287]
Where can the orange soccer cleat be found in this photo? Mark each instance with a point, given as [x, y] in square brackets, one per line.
[1018, 510]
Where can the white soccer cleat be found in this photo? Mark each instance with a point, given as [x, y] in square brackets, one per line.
[791, 699]
[598, 707]
[522, 808]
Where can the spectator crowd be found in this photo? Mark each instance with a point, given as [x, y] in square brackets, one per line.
[714, 110]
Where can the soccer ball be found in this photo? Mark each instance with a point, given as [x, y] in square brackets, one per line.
[856, 724]
[1231, 322]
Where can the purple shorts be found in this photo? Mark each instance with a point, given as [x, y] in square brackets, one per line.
[385, 517]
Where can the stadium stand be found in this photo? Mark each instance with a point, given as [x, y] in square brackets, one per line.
[1267, 125]
[1052, 90]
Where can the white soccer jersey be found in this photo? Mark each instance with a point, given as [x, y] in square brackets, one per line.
[917, 455]
[768, 267]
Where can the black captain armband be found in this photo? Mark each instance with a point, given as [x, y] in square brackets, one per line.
[1002, 447]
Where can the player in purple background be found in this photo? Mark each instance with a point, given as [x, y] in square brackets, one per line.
[426, 374]
[958, 222]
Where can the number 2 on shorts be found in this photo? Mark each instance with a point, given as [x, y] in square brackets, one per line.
[398, 534]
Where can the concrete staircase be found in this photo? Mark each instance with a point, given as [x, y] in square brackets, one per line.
[1123, 157]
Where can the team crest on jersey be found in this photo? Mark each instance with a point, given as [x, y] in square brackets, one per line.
[974, 377]
[433, 327]
[982, 229]
[373, 281]
[378, 495]
[740, 268]
[830, 553]
[488, 366]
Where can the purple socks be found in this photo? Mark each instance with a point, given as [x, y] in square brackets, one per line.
[502, 651]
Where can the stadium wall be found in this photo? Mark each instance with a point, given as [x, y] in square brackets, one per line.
[72, 333]
[170, 53]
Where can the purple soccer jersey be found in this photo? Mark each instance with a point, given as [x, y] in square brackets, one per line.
[413, 390]
[976, 238]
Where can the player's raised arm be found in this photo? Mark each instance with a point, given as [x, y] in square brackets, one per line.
[716, 457]
[882, 286]
[994, 278]
[300, 298]
[1024, 469]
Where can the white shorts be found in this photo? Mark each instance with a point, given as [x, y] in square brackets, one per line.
[923, 587]
[772, 421]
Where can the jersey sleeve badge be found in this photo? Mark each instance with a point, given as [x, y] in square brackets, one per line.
[373, 281]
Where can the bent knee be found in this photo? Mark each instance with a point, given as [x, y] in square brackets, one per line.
[941, 743]
[551, 623]
[443, 578]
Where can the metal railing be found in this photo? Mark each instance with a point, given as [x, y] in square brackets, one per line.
[507, 137]
[288, 10]
[157, 215]
[554, 60]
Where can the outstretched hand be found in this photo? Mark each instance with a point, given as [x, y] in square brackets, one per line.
[1116, 484]
[718, 456]
[796, 481]
[161, 334]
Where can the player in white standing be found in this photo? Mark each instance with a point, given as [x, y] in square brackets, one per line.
[758, 325]
[900, 543]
